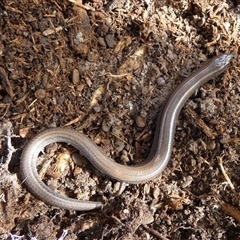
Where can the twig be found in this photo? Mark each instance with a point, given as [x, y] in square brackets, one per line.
[230, 210]
[156, 233]
[86, 7]
[10, 148]
[224, 172]
[64, 234]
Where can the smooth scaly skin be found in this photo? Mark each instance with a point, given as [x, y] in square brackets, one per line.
[152, 167]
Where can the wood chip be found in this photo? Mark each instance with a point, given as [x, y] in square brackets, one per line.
[5, 82]
[198, 122]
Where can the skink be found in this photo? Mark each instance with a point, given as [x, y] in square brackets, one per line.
[148, 170]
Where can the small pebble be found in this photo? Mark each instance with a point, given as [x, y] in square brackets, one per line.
[40, 94]
[80, 88]
[109, 38]
[79, 159]
[119, 145]
[140, 121]
[118, 188]
[148, 219]
[102, 42]
[161, 81]
[97, 108]
[187, 181]
[105, 126]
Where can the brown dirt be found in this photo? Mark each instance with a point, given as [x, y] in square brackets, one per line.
[104, 68]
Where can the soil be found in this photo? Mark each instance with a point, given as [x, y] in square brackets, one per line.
[105, 68]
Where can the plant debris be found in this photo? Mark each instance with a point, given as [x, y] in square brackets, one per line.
[105, 68]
